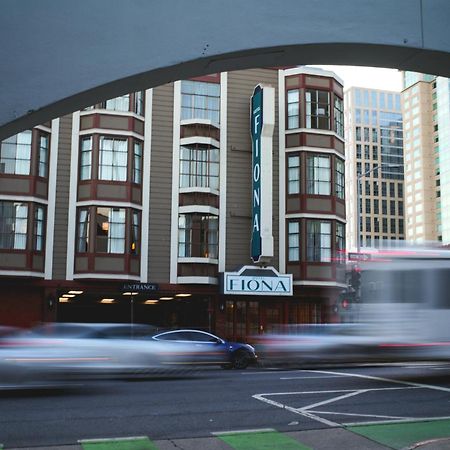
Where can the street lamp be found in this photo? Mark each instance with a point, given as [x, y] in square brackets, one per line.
[358, 197]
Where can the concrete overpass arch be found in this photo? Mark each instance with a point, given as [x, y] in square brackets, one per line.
[57, 57]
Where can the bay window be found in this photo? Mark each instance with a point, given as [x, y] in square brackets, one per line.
[86, 158]
[317, 109]
[43, 155]
[82, 243]
[293, 174]
[13, 225]
[198, 236]
[39, 221]
[293, 109]
[121, 103]
[137, 162]
[113, 155]
[15, 154]
[293, 241]
[340, 179]
[318, 175]
[199, 166]
[339, 116]
[200, 100]
[110, 230]
[340, 242]
[318, 241]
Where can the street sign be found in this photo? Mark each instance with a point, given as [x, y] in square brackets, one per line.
[359, 256]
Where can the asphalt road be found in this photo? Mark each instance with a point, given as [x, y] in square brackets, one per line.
[216, 400]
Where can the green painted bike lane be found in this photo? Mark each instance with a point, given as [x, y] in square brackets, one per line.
[403, 435]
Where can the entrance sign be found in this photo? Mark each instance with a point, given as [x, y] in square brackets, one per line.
[262, 122]
[250, 280]
[139, 287]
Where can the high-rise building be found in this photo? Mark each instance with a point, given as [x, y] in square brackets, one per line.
[137, 208]
[426, 111]
[374, 167]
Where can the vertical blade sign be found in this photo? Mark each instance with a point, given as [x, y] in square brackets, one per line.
[256, 128]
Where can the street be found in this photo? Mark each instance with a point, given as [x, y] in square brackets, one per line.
[215, 401]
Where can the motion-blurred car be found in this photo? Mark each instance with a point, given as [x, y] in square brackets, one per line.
[67, 351]
[209, 349]
[317, 344]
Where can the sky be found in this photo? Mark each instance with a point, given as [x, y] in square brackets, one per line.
[369, 77]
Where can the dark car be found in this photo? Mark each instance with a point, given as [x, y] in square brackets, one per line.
[210, 349]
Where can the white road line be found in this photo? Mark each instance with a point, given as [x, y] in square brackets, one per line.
[388, 422]
[309, 378]
[362, 415]
[332, 400]
[119, 439]
[387, 380]
[261, 398]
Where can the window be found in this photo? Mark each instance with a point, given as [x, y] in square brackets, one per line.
[38, 228]
[368, 225]
[318, 241]
[293, 109]
[121, 103]
[366, 134]
[294, 241]
[384, 206]
[200, 100]
[110, 230]
[113, 155]
[400, 208]
[383, 189]
[366, 167]
[393, 226]
[385, 225]
[339, 116]
[340, 242]
[13, 225]
[366, 152]
[340, 178]
[318, 175]
[358, 151]
[367, 205]
[358, 133]
[15, 154]
[375, 188]
[199, 166]
[375, 152]
[198, 236]
[376, 206]
[135, 232]
[376, 225]
[83, 230]
[293, 174]
[139, 103]
[86, 158]
[358, 168]
[400, 226]
[43, 155]
[367, 187]
[137, 162]
[392, 189]
[318, 109]
[392, 207]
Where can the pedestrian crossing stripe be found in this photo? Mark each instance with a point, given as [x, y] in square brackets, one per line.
[266, 440]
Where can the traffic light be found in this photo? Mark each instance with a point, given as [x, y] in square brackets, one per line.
[355, 279]
[346, 300]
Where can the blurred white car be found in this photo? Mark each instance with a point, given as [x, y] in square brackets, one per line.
[61, 352]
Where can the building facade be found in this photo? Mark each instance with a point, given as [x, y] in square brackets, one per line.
[133, 209]
[426, 109]
[374, 168]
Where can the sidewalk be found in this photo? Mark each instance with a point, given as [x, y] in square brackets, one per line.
[323, 439]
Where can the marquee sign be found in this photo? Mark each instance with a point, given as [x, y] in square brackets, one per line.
[262, 124]
[250, 280]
